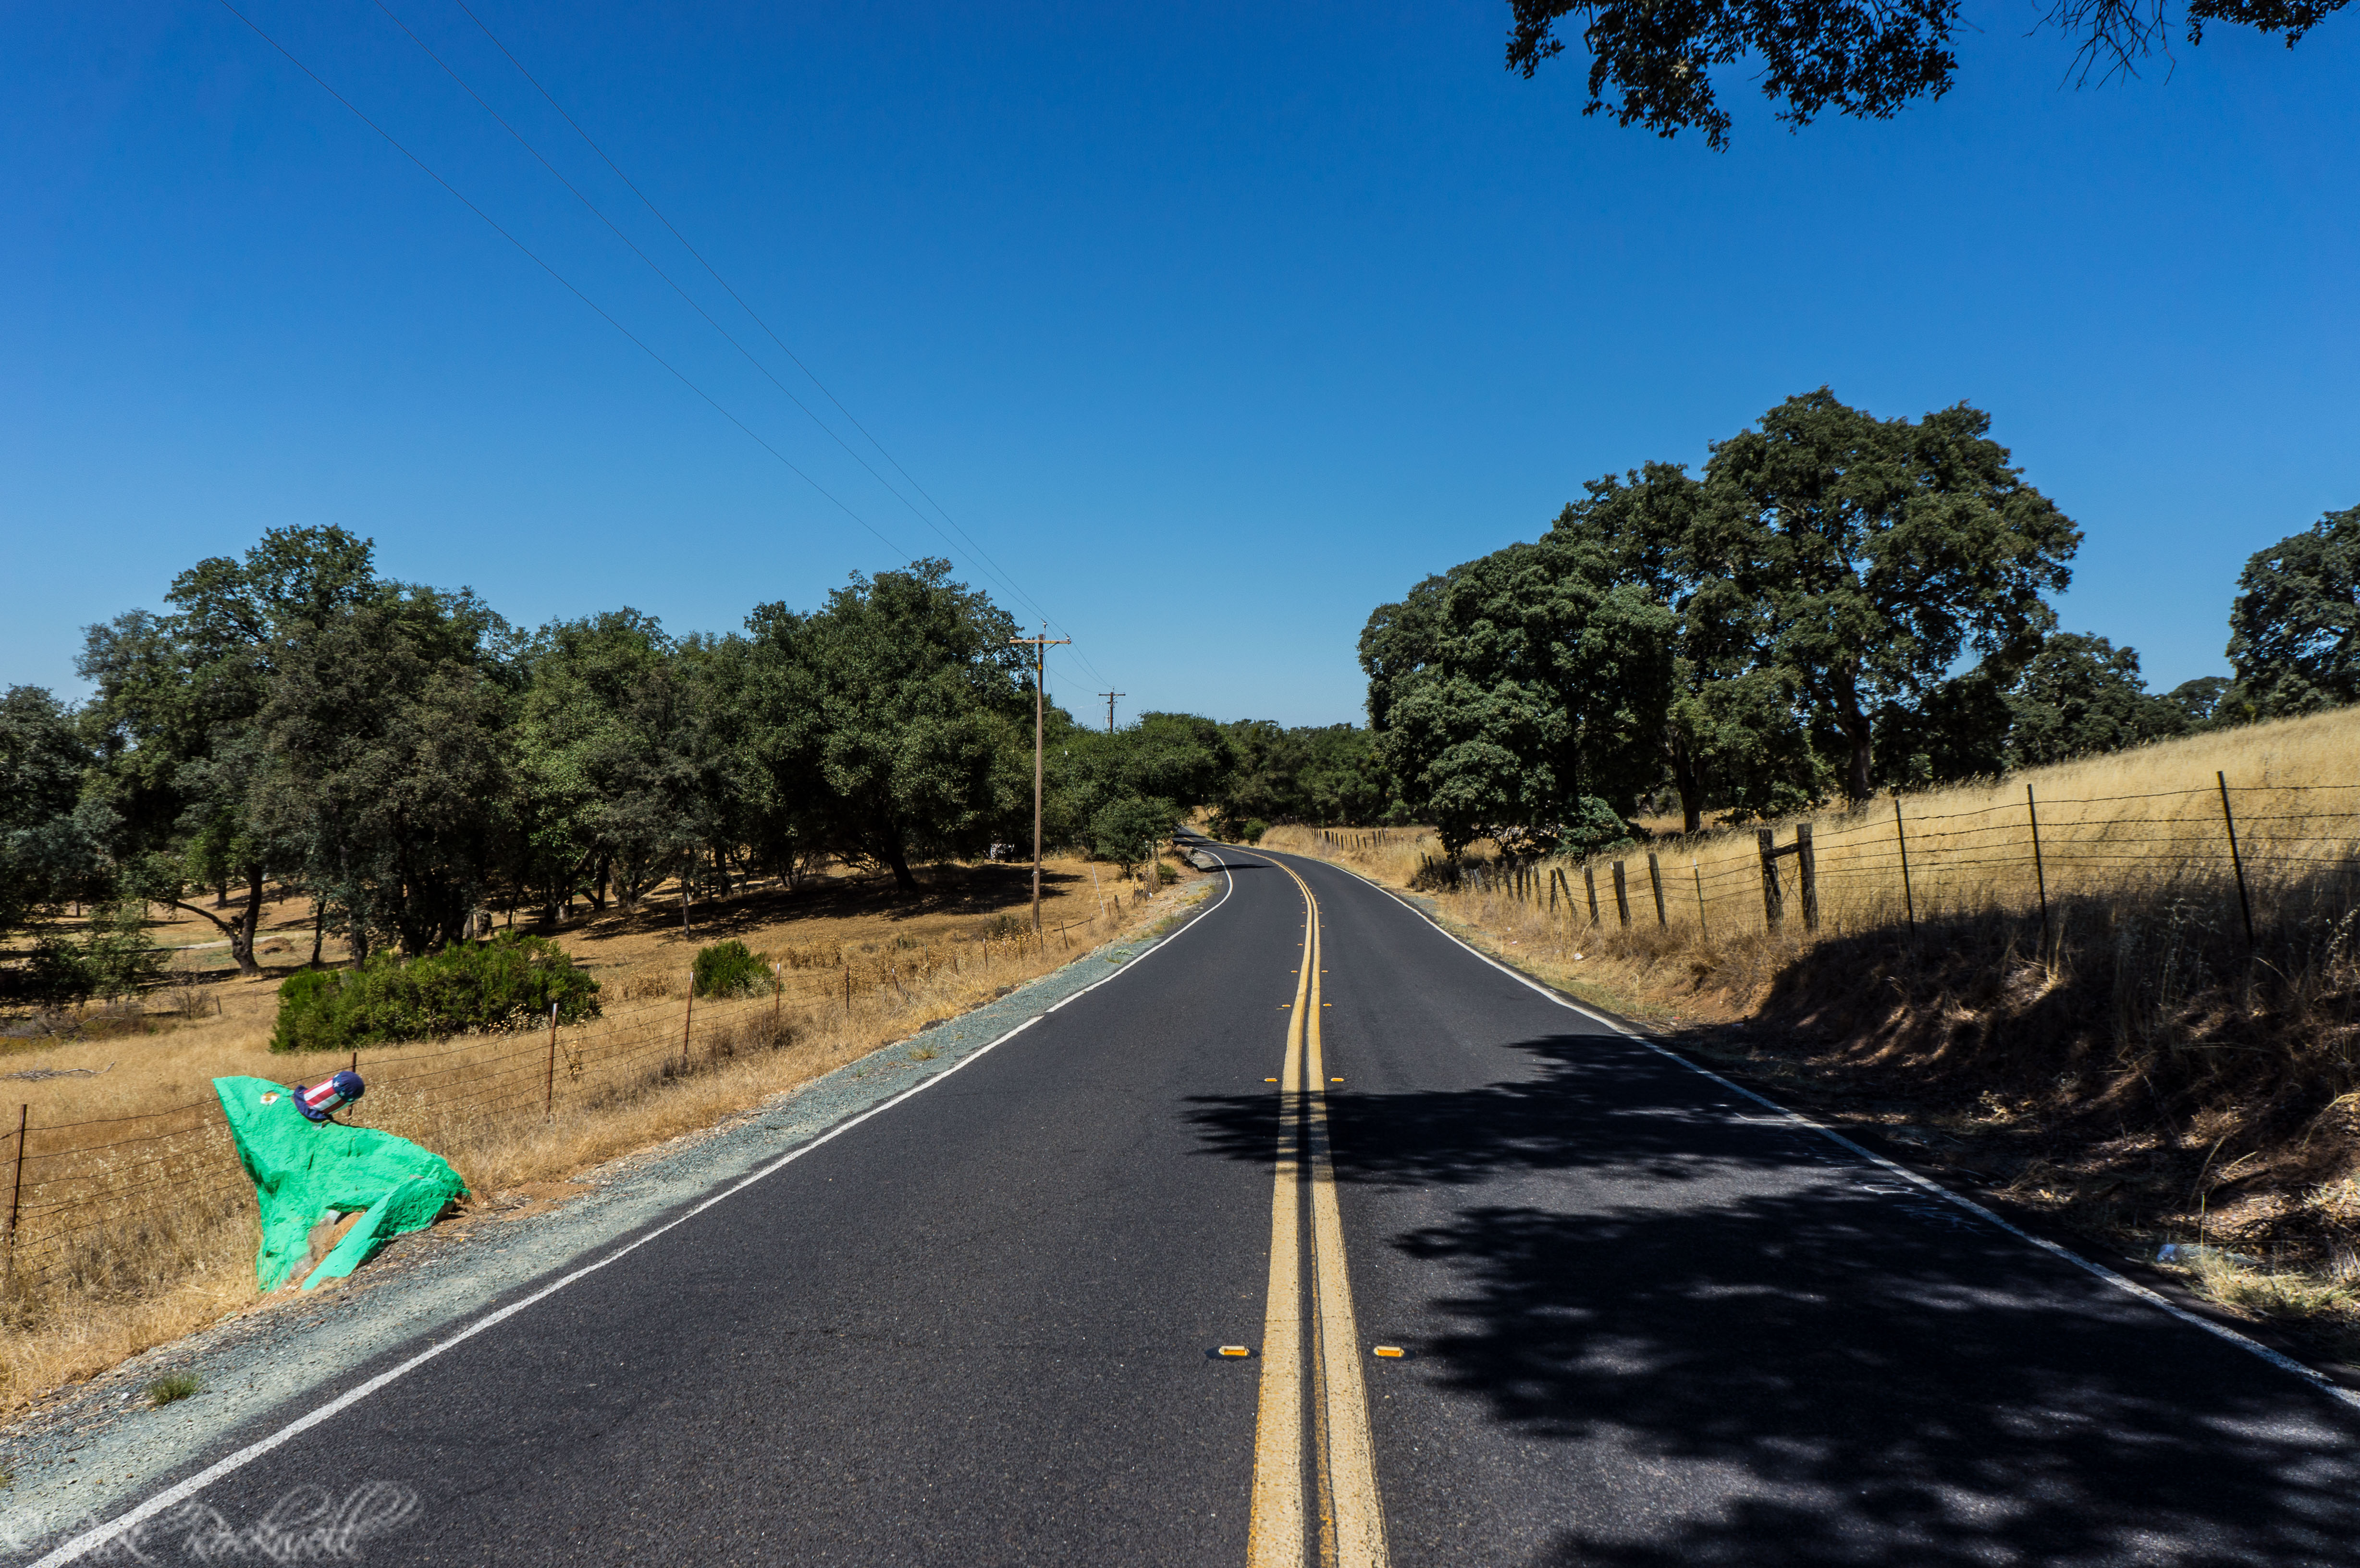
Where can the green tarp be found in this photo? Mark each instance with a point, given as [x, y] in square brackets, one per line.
[306, 1172]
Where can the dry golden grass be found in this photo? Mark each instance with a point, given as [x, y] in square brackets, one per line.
[2131, 1062]
[2136, 820]
[2134, 826]
[137, 1228]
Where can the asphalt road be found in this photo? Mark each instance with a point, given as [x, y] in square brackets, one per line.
[1645, 1321]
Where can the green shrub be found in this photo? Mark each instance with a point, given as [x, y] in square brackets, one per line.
[508, 981]
[1593, 828]
[173, 1386]
[1127, 830]
[1254, 829]
[731, 969]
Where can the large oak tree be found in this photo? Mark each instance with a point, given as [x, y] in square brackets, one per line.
[1878, 552]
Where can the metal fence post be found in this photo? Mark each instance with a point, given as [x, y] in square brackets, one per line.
[549, 1086]
[1621, 895]
[2236, 861]
[688, 1018]
[17, 1187]
[1908, 897]
[2040, 871]
[1808, 870]
[1703, 932]
[1656, 880]
[1773, 905]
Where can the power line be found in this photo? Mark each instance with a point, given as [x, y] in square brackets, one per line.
[976, 550]
[653, 265]
[533, 256]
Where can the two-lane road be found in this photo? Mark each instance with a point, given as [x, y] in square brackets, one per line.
[1646, 1321]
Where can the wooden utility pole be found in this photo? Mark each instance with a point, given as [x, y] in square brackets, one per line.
[1040, 646]
[1111, 696]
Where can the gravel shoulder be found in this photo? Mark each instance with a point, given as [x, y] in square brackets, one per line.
[96, 1449]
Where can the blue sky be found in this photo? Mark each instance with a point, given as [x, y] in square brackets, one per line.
[1215, 326]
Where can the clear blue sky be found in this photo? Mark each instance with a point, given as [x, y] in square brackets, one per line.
[1216, 325]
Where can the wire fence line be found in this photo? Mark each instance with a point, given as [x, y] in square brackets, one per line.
[88, 1194]
[1888, 858]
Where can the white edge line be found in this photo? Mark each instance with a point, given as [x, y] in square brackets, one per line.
[90, 1539]
[2283, 1361]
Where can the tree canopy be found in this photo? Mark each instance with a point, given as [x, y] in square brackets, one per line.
[1836, 604]
[1518, 684]
[1653, 64]
[899, 707]
[1875, 552]
[2294, 630]
[406, 758]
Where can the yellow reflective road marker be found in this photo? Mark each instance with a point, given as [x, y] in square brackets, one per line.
[1389, 1351]
[1241, 1350]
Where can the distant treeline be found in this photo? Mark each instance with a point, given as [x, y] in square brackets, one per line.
[1789, 626]
[407, 757]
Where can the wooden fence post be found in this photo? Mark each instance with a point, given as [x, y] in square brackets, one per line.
[1655, 881]
[1809, 877]
[2040, 871]
[1773, 906]
[2236, 861]
[1589, 881]
[1703, 933]
[17, 1187]
[548, 1085]
[1901, 836]
[1556, 876]
[1621, 896]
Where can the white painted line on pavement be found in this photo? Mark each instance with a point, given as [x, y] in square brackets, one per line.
[90, 1539]
[2284, 1363]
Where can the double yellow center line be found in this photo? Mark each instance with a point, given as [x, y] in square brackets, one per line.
[1311, 1436]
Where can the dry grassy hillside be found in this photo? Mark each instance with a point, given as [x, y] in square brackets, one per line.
[2092, 1031]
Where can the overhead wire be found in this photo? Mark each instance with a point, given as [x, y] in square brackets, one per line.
[686, 298]
[975, 549]
[561, 278]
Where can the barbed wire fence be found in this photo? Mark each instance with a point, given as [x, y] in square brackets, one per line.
[1890, 862]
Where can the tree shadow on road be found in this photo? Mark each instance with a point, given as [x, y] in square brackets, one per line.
[1744, 1345]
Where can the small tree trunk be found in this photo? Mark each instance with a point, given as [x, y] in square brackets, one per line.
[319, 927]
[900, 862]
[1860, 736]
[241, 941]
[1683, 780]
